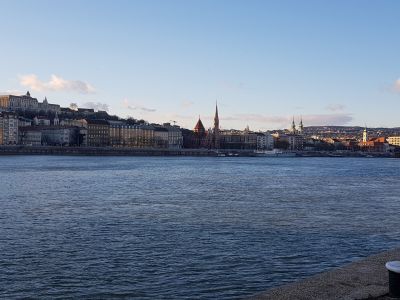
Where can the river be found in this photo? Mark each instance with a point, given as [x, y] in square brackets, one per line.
[187, 228]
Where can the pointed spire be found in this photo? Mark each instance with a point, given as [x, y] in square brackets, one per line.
[216, 117]
[301, 127]
[293, 129]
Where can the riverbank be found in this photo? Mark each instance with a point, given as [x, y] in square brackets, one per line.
[363, 279]
[110, 151]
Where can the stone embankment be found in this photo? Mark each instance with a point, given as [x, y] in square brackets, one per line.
[102, 151]
[114, 151]
[363, 279]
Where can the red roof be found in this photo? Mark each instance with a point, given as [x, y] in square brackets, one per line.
[199, 127]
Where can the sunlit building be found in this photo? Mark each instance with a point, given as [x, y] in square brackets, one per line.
[394, 140]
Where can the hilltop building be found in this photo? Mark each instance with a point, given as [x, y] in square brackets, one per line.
[27, 103]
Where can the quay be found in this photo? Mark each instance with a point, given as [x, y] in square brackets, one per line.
[126, 151]
[364, 279]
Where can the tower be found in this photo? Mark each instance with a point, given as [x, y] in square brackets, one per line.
[56, 120]
[301, 127]
[365, 135]
[293, 128]
[216, 128]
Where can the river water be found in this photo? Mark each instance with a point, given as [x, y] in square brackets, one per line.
[187, 228]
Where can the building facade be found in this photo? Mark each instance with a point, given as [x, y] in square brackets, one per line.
[394, 140]
[27, 103]
[8, 129]
[98, 133]
[134, 136]
[265, 141]
[30, 136]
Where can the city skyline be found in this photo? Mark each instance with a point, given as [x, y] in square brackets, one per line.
[331, 63]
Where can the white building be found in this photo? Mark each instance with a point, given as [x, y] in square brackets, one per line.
[8, 129]
[265, 141]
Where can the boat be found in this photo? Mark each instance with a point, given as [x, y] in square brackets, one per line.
[274, 153]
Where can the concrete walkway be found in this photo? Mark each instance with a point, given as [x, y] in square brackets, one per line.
[364, 279]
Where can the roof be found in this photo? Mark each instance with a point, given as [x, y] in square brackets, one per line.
[199, 126]
[160, 129]
[97, 122]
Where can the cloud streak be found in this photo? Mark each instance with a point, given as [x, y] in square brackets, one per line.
[335, 107]
[129, 106]
[186, 103]
[308, 120]
[55, 83]
[11, 92]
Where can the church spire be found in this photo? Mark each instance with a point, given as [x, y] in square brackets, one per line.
[365, 135]
[293, 129]
[216, 117]
[216, 127]
[301, 127]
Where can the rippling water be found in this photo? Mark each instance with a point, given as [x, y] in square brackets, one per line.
[176, 228]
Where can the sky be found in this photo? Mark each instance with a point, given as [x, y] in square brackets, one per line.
[265, 62]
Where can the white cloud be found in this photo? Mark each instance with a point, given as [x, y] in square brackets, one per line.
[129, 106]
[11, 92]
[397, 85]
[187, 103]
[55, 83]
[336, 107]
[96, 106]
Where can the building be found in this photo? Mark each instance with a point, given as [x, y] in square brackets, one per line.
[378, 144]
[134, 136]
[238, 140]
[30, 136]
[289, 141]
[293, 138]
[72, 122]
[265, 141]
[8, 128]
[394, 140]
[98, 133]
[27, 103]
[175, 137]
[160, 137]
[59, 136]
[24, 122]
[41, 121]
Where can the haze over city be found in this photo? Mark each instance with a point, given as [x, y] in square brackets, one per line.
[333, 63]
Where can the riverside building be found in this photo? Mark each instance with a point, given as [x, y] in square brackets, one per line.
[8, 129]
[98, 133]
[134, 136]
[394, 140]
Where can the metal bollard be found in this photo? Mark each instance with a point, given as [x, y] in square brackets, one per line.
[394, 278]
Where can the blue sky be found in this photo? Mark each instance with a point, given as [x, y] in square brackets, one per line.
[333, 62]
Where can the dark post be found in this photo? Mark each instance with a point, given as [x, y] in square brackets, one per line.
[394, 278]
